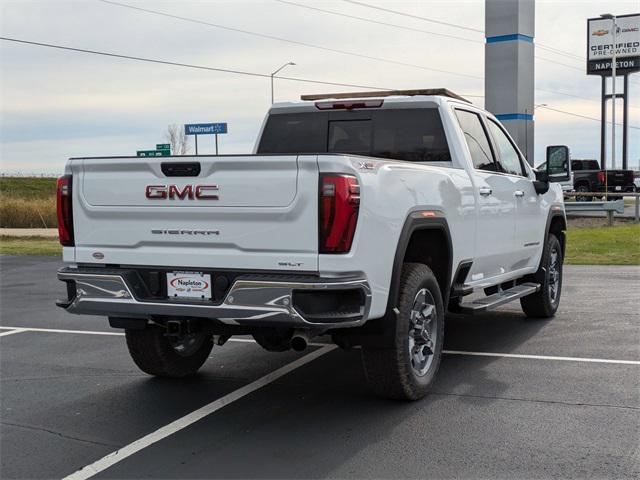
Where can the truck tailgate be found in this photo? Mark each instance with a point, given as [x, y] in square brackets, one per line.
[239, 212]
[619, 178]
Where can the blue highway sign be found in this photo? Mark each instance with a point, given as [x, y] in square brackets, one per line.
[205, 128]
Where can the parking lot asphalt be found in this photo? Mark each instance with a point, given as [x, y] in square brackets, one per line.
[514, 398]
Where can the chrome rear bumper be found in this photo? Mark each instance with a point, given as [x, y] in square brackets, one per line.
[247, 302]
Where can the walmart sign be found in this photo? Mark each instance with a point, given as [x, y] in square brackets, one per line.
[205, 128]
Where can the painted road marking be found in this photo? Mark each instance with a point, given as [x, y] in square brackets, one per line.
[446, 352]
[154, 437]
[543, 357]
[58, 330]
[11, 332]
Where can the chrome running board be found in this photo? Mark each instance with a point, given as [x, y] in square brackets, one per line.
[500, 298]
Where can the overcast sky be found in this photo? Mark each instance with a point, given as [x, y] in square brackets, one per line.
[57, 104]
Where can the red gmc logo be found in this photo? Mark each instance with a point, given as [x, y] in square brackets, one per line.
[191, 192]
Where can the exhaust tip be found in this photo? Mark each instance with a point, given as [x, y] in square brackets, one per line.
[299, 343]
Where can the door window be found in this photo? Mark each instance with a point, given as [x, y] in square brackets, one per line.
[508, 156]
[477, 141]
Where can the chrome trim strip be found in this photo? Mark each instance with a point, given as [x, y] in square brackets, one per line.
[247, 301]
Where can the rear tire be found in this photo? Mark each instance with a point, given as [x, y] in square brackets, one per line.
[157, 354]
[544, 303]
[407, 369]
[583, 198]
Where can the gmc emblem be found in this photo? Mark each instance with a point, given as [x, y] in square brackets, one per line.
[191, 192]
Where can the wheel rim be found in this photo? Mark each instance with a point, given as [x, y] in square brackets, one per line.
[422, 332]
[187, 345]
[554, 274]
[581, 198]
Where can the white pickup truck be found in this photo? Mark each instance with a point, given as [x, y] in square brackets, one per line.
[361, 216]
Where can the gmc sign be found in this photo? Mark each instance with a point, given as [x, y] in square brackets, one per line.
[190, 192]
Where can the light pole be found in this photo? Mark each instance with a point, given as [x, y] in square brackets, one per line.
[614, 61]
[273, 74]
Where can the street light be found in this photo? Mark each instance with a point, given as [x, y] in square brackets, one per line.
[614, 61]
[273, 74]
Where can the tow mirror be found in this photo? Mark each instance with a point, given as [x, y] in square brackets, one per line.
[558, 166]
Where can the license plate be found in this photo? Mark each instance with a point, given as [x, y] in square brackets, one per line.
[618, 188]
[189, 285]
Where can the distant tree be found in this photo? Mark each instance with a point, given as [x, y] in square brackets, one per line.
[175, 136]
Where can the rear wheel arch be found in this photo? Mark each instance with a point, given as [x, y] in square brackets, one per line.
[380, 332]
[425, 240]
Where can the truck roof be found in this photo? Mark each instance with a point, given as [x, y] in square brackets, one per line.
[386, 98]
[441, 92]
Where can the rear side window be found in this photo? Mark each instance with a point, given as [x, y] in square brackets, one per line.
[592, 165]
[294, 133]
[585, 165]
[415, 135]
[508, 155]
[477, 140]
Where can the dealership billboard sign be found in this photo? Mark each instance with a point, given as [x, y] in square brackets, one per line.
[600, 45]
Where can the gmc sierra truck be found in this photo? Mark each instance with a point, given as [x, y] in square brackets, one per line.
[363, 217]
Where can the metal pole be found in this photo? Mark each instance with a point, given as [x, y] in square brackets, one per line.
[637, 219]
[196, 144]
[625, 121]
[603, 124]
[526, 135]
[273, 75]
[614, 61]
[272, 88]
[216, 144]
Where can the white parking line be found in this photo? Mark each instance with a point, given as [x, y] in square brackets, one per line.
[154, 437]
[11, 332]
[542, 357]
[446, 352]
[58, 330]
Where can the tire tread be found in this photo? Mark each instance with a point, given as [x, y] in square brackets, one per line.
[387, 370]
[153, 354]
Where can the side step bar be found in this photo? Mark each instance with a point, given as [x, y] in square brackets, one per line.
[500, 298]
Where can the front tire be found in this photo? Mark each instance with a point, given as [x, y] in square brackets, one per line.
[407, 369]
[544, 303]
[157, 354]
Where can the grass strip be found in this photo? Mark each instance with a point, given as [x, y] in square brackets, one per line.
[28, 187]
[29, 246]
[619, 245]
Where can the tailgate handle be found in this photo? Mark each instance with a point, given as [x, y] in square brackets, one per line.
[180, 169]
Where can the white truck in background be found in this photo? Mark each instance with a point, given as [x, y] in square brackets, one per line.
[362, 216]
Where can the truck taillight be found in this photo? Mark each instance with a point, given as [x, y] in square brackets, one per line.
[64, 210]
[338, 212]
[601, 178]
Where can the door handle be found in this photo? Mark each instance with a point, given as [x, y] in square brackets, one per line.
[519, 193]
[485, 191]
